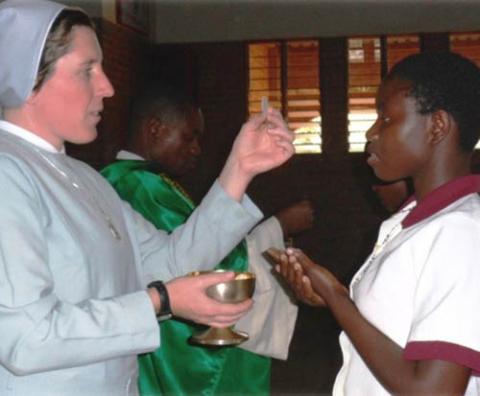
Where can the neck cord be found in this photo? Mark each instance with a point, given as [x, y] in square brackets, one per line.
[379, 246]
[90, 196]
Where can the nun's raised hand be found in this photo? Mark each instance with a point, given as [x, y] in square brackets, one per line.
[263, 143]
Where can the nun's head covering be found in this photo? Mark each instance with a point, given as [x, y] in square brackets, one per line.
[24, 26]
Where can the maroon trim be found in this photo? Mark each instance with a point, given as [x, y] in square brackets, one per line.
[441, 350]
[442, 197]
[411, 198]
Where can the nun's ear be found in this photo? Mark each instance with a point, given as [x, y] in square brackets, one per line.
[32, 98]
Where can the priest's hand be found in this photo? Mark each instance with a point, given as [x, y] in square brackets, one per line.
[188, 300]
[263, 143]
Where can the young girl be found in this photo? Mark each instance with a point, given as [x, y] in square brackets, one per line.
[410, 322]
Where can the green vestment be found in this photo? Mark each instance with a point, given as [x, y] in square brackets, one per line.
[177, 367]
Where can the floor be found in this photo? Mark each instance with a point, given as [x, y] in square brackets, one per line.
[314, 356]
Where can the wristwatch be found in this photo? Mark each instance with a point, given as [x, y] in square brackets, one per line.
[165, 310]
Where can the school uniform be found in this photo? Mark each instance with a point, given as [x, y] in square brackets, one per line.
[420, 286]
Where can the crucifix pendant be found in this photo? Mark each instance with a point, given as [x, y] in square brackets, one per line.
[114, 231]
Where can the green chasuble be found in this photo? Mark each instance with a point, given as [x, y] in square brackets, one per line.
[177, 367]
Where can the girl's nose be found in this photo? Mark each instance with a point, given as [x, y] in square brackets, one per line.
[372, 131]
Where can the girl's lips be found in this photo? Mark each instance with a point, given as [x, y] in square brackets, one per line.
[372, 159]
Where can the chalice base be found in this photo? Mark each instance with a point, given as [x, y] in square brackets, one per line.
[220, 337]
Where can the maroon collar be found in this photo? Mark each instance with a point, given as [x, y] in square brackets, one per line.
[441, 198]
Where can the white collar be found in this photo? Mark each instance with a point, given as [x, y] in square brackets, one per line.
[128, 155]
[29, 137]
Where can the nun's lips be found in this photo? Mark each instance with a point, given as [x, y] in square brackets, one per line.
[96, 114]
[94, 117]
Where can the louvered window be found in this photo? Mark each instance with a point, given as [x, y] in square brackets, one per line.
[264, 75]
[399, 47]
[368, 60]
[468, 45]
[363, 80]
[287, 73]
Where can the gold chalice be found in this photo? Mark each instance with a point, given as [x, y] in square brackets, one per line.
[237, 290]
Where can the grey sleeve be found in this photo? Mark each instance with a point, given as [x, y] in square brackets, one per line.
[216, 226]
[40, 330]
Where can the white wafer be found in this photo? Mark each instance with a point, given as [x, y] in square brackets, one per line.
[265, 105]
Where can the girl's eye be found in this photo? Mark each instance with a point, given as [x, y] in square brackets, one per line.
[87, 72]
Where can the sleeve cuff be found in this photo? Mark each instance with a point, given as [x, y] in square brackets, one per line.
[140, 316]
[441, 350]
[244, 211]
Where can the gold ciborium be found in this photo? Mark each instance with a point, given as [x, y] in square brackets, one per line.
[237, 290]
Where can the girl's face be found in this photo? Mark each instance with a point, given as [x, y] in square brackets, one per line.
[398, 140]
[68, 105]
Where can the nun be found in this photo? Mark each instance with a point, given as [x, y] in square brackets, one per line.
[82, 276]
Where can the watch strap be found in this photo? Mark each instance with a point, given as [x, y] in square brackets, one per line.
[165, 310]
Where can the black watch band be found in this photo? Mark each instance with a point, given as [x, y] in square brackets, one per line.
[165, 310]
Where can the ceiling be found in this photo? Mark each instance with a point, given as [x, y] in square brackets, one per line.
[176, 21]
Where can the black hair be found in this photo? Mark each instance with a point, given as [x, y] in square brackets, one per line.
[167, 103]
[445, 81]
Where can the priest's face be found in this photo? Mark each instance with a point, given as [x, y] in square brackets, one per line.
[177, 146]
[68, 105]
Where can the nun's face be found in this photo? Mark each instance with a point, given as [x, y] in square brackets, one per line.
[68, 105]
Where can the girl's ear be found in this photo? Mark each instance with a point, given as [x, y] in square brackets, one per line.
[441, 126]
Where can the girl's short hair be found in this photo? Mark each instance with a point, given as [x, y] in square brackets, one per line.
[445, 81]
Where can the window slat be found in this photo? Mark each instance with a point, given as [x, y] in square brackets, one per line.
[302, 90]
